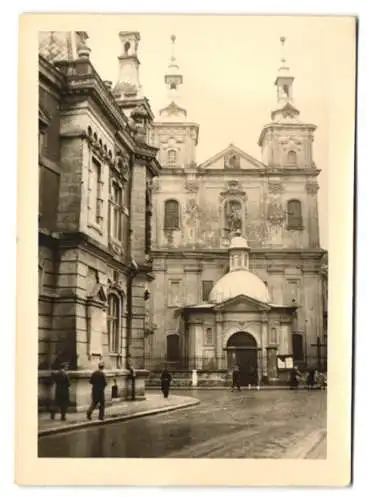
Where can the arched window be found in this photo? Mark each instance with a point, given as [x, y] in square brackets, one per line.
[292, 157]
[127, 47]
[114, 324]
[172, 158]
[294, 212]
[171, 214]
[297, 347]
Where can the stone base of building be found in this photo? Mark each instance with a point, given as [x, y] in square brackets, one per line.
[80, 388]
[209, 378]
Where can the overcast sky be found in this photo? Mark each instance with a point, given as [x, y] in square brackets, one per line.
[229, 66]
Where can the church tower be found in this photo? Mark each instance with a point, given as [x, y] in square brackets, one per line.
[128, 91]
[174, 135]
[286, 142]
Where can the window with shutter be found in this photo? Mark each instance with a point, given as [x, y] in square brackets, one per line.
[171, 215]
[294, 212]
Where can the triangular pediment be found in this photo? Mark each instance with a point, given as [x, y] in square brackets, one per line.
[242, 303]
[232, 158]
[98, 293]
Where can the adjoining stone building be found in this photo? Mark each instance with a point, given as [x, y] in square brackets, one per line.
[267, 313]
[95, 177]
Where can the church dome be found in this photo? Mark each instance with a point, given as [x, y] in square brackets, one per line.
[239, 282]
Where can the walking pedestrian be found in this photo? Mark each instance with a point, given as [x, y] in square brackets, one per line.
[165, 381]
[294, 377]
[61, 399]
[98, 382]
[236, 378]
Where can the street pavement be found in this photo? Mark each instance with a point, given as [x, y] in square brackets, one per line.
[246, 424]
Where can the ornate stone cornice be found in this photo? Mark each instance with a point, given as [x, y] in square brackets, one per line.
[312, 187]
[233, 189]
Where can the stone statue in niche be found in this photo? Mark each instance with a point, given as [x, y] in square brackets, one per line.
[233, 216]
[232, 161]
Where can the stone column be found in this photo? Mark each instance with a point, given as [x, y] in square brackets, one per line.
[192, 346]
[136, 344]
[313, 216]
[159, 311]
[283, 338]
[218, 341]
[137, 211]
[264, 343]
[192, 272]
[272, 362]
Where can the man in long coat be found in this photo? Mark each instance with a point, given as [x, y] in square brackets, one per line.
[98, 382]
[61, 400]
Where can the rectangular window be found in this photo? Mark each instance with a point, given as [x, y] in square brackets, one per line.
[95, 188]
[206, 287]
[116, 209]
[113, 321]
[209, 338]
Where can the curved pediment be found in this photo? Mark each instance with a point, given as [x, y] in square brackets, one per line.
[232, 158]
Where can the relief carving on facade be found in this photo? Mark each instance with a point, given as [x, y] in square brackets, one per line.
[232, 160]
[276, 187]
[192, 185]
[312, 187]
[276, 214]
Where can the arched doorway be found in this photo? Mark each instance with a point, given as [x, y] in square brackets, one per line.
[242, 351]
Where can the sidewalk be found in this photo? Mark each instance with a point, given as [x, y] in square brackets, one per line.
[125, 410]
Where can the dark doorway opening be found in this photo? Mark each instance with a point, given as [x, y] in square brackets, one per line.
[242, 351]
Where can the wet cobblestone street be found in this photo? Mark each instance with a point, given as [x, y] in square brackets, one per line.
[249, 424]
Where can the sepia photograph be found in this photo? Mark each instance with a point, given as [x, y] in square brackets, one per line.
[183, 237]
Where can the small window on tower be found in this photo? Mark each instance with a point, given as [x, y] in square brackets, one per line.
[292, 157]
[173, 86]
[127, 47]
[172, 158]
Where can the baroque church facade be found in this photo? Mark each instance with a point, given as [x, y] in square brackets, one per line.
[237, 261]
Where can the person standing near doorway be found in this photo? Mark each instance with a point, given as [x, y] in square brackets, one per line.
[99, 383]
[61, 400]
[165, 381]
[236, 378]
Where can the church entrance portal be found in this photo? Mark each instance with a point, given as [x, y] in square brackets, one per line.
[242, 350]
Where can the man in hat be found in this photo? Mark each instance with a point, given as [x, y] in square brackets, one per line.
[98, 382]
[62, 384]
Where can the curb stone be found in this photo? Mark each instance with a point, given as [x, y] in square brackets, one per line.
[116, 418]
